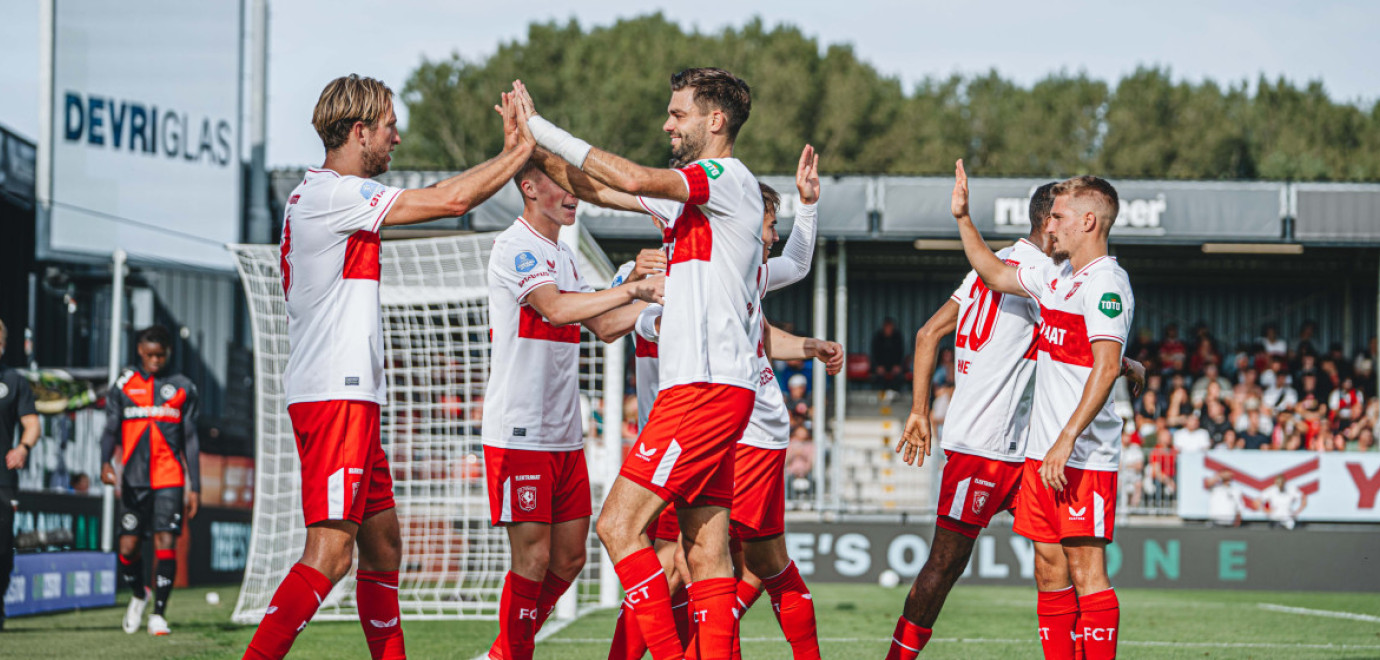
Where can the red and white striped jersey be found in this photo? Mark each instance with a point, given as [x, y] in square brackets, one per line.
[994, 360]
[533, 398]
[716, 247]
[330, 271]
[770, 424]
[1076, 310]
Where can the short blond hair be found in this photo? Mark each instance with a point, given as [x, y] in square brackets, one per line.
[346, 100]
[1105, 202]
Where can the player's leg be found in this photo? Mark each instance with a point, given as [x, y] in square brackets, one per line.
[623, 519]
[7, 511]
[950, 550]
[376, 584]
[570, 513]
[628, 643]
[167, 526]
[1037, 518]
[713, 589]
[790, 598]
[134, 520]
[1099, 613]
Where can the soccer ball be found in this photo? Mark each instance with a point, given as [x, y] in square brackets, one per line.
[212, 598]
[889, 579]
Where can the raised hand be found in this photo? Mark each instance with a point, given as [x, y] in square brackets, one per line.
[958, 204]
[505, 109]
[523, 99]
[807, 176]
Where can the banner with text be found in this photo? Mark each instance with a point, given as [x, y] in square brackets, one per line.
[1340, 486]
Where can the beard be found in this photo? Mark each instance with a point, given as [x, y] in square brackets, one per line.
[688, 151]
[1060, 256]
[375, 163]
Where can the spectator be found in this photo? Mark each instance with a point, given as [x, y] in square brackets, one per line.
[1172, 350]
[1225, 500]
[1304, 346]
[1309, 388]
[800, 454]
[1192, 437]
[797, 391]
[1272, 344]
[1203, 355]
[1248, 384]
[1329, 378]
[1345, 404]
[1230, 440]
[1365, 441]
[1250, 412]
[1285, 425]
[1293, 441]
[1163, 465]
[1211, 376]
[1278, 393]
[1132, 467]
[790, 370]
[1215, 421]
[888, 356]
[944, 370]
[81, 483]
[1143, 347]
[1151, 407]
[1180, 407]
[1283, 502]
[1253, 437]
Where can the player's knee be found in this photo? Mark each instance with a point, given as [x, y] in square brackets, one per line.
[164, 541]
[567, 561]
[609, 528]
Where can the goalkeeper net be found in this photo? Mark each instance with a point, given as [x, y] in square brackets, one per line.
[436, 344]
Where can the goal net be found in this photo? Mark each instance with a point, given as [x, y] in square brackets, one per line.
[436, 343]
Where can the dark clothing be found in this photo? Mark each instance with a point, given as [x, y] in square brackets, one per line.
[1215, 428]
[16, 401]
[152, 419]
[888, 351]
[1254, 440]
[7, 497]
[144, 511]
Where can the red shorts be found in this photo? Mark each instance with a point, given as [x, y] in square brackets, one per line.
[685, 452]
[526, 485]
[345, 473]
[1085, 508]
[974, 488]
[759, 493]
[666, 527]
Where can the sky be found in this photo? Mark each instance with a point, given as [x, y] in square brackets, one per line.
[313, 41]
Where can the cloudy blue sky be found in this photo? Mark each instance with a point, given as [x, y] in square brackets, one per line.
[312, 41]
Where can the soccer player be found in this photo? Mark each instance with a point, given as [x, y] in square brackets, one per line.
[334, 377]
[151, 417]
[1068, 500]
[16, 408]
[534, 455]
[985, 431]
[708, 379]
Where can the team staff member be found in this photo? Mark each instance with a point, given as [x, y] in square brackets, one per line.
[151, 417]
[16, 405]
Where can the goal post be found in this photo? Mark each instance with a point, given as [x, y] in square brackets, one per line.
[434, 299]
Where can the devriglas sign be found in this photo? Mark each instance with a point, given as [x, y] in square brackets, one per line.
[145, 130]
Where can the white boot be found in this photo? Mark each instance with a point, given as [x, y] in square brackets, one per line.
[158, 626]
[134, 616]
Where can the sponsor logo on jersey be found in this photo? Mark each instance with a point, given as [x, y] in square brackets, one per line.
[551, 263]
[1054, 284]
[352, 381]
[294, 199]
[712, 169]
[168, 391]
[1052, 334]
[645, 452]
[1099, 634]
[979, 501]
[1110, 305]
[527, 498]
[1077, 514]
[163, 581]
[369, 189]
[519, 432]
[527, 477]
[4, 390]
[129, 521]
[271, 609]
[984, 482]
[1073, 290]
[145, 412]
[524, 262]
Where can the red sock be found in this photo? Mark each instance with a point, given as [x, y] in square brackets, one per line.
[908, 640]
[795, 611]
[649, 598]
[517, 618]
[552, 588]
[293, 605]
[1058, 611]
[680, 609]
[1099, 615]
[376, 596]
[627, 637]
[713, 604]
[747, 595]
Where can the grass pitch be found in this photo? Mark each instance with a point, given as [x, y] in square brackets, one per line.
[855, 621]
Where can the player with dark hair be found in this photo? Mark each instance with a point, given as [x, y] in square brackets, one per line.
[334, 381]
[16, 408]
[712, 206]
[150, 416]
[1068, 484]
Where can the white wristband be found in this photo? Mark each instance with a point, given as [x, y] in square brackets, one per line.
[558, 141]
[646, 323]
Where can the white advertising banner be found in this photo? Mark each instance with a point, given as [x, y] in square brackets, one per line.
[145, 130]
[1340, 486]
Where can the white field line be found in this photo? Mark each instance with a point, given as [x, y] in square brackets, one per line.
[1031, 641]
[1327, 613]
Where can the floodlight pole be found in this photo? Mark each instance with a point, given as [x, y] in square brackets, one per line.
[117, 308]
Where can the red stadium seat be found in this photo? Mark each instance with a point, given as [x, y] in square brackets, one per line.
[859, 367]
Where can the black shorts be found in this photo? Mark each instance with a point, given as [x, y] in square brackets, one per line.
[147, 510]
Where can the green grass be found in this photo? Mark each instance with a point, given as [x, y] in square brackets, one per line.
[855, 621]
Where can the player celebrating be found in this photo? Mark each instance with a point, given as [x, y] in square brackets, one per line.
[151, 417]
[533, 448]
[1068, 504]
[708, 383]
[334, 378]
[985, 451]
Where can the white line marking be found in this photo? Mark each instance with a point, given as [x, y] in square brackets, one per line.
[1327, 613]
[1032, 641]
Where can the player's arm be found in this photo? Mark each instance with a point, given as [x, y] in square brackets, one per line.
[562, 308]
[609, 169]
[28, 421]
[459, 194]
[191, 448]
[794, 263]
[1106, 367]
[110, 437]
[648, 324]
[782, 345]
[581, 185]
[915, 440]
[615, 323]
[996, 274]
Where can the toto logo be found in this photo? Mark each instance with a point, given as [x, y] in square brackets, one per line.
[1136, 216]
